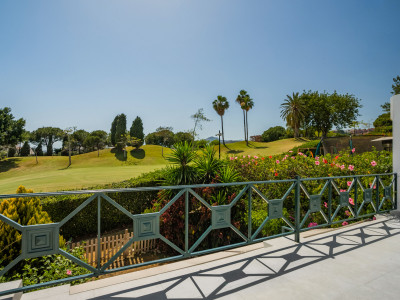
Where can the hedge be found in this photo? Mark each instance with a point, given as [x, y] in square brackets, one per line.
[84, 223]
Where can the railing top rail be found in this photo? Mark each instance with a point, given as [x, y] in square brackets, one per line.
[175, 187]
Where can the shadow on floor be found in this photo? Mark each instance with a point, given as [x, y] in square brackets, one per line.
[121, 155]
[226, 279]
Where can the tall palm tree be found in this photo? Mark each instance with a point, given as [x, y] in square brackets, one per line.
[240, 100]
[220, 105]
[293, 110]
[246, 105]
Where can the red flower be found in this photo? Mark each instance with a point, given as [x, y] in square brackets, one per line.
[337, 157]
[325, 161]
[276, 174]
[270, 156]
[262, 158]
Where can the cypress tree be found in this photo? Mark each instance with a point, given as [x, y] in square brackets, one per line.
[120, 128]
[137, 130]
[25, 150]
[113, 130]
[39, 150]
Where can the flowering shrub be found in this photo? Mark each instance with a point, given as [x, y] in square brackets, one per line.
[289, 165]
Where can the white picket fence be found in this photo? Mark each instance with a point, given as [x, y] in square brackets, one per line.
[110, 245]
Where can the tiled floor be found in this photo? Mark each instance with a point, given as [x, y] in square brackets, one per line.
[358, 262]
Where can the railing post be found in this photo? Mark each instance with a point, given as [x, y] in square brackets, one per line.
[330, 201]
[377, 193]
[249, 227]
[98, 232]
[186, 222]
[355, 198]
[297, 210]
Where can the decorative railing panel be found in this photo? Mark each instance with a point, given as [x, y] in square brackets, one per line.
[246, 212]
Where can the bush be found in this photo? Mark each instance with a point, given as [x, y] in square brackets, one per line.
[273, 134]
[11, 152]
[84, 223]
[24, 211]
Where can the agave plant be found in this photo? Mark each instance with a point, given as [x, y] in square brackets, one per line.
[207, 164]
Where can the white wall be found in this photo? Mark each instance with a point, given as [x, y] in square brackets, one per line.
[395, 115]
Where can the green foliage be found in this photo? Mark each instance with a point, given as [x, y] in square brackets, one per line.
[396, 85]
[10, 130]
[120, 131]
[199, 118]
[207, 164]
[136, 131]
[84, 222]
[309, 144]
[181, 137]
[163, 136]
[11, 152]
[78, 139]
[47, 136]
[25, 150]
[293, 111]
[48, 268]
[383, 124]
[96, 139]
[39, 149]
[24, 211]
[327, 110]
[113, 130]
[273, 134]
[182, 172]
[220, 105]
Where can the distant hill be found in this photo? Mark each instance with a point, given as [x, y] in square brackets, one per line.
[213, 138]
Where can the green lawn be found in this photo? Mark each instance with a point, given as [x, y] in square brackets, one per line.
[51, 174]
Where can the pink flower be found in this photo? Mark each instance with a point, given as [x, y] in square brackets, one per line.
[345, 223]
[248, 156]
[374, 218]
[235, 157]
[348, 183]
[353, 150]
[231, 158]
[242, 166]
[343, 190]
[69, 272]
[373, 163]
[326, 204]
[290, 151]
[342, 167]
[317, 162]
[351, 167]
[347, 213]
[277, 161]
[244, 156]
[312, 224]
[255, 157]
[351, 201]
[300, 153]
[293, 157]
[317, 158]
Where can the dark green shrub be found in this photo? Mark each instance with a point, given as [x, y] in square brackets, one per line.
[25, 150]
[11, 152]
[273, 134]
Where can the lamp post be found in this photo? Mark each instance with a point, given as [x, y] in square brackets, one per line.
[219, 143]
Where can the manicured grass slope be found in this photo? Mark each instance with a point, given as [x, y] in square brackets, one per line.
[87, 170]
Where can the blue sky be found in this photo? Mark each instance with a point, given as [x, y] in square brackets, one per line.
[80, 63]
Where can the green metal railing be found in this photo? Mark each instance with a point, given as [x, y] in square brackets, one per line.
[292, 202]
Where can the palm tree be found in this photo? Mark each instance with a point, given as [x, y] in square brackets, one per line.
[239, 100]
[246, 105]
[293, 111]
[220, 105]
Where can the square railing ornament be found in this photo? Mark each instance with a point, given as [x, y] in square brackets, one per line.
[344, 198]
[275, 209]
[40, 240]
[388, 192]
[315, 203]
[220, 216]
[146, 227]
[367, 195]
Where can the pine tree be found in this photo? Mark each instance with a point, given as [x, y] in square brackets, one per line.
[39, 150]
[136, 130]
